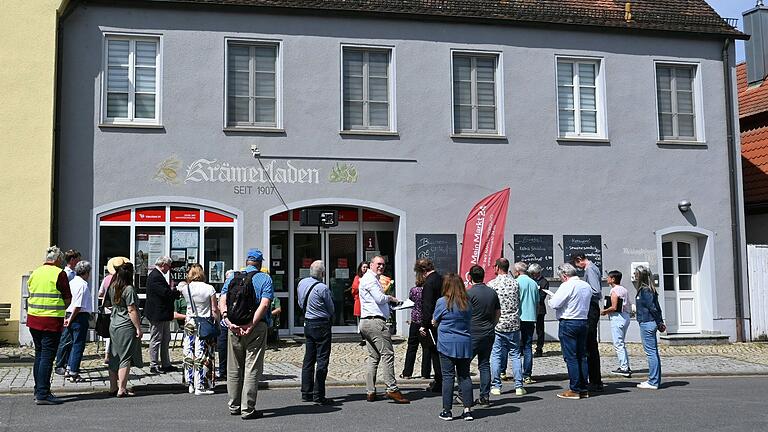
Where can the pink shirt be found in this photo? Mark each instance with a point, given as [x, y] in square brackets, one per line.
[623, 294]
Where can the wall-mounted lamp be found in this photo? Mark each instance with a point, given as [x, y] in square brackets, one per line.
[684, 205]
[255, 152]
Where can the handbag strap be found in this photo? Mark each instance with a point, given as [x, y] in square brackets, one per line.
[191, 301]
[306, 296]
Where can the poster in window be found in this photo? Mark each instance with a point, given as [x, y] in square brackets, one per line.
[215, 271]
[191, 255]
[184, 238]
[156, 248]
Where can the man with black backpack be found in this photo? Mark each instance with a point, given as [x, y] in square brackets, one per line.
[244, 304]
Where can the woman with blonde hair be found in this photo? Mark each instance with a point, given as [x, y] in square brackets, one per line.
[453, 316]
[650, 320]
[124, 330]
[198, 352]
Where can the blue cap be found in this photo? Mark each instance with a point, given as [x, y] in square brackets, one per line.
[255, 255]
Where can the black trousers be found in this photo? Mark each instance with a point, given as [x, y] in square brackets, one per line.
[593, 353]
[540, 332]
[430, 352]
[317, 353]
[414, 340]
[221, 349]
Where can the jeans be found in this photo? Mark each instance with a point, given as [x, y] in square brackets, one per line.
[65, 347]
[452, 367]
[317, 353]
[526, 346]
[79, 331]
[221, 350]
[648, 335]
[619, 326]
[414, 340]
[482, 347]
[506, 345]
[540, 335]
[593, 353]
[46, 343]
[573, 343]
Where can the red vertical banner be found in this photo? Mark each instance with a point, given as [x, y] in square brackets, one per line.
[484, 234]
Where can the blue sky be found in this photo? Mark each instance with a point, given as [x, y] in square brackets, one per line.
[733, 9]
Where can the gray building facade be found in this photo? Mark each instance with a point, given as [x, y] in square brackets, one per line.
[402, 125]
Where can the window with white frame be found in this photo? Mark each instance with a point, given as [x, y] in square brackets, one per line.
[475, 100]
[252, 85]
[366, 89]
[676, 102]
[580, 105]
[132, 80]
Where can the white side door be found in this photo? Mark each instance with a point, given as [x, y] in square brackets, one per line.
[680, 280]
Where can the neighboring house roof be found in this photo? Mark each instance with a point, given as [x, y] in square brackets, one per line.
[753, 119]
[682, 16]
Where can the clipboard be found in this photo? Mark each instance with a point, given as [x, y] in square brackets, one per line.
[619, 303]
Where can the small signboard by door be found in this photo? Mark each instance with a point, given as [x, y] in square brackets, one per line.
[441, 249]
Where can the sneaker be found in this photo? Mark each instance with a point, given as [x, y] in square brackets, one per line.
[528, 380]
[647, 386]
[191, 389]
[569, 395]
[467, 416]
[60, 371]
[626, 373]
[252, 415]
[202, 392]
[503, 376]
[520, 391]
[482, 402]
[48, 400]
[600, 388]
[445, 415]
[324, 402]
[496, 391]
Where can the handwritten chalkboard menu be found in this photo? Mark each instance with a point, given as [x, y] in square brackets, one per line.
[535, 248]
[440, 249]
[590, 245]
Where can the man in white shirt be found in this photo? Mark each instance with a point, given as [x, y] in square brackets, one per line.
[71, 257]
[571, 304]
[76, 323]
[374, 312]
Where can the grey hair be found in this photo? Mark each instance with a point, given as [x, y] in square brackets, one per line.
[566, 270]
[317, 269]
[521, 267]
[534, 269]
[54, 254]
[82, 268]
[163, 260]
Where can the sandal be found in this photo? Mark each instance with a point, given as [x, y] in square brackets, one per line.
[127, 393]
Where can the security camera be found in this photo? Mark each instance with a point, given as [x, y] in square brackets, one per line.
[255, 151]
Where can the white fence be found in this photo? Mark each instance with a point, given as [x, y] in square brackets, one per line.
[757, 259]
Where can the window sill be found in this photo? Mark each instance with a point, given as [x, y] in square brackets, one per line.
[369, 132]
[478, 136]
[584, 139]
[131, 125]
[681, 143]
[253, 129]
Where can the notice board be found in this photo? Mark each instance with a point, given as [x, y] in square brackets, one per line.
[535, 248]
[441, 249]
[590, 245]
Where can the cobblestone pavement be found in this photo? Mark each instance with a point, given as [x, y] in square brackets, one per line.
[282, 368]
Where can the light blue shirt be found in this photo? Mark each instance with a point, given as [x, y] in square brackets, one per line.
[262, 285]
[319, 303]
[592, 277]
[572, 299]
[529, 297]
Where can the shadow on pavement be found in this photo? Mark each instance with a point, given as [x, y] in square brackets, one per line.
[674, 384]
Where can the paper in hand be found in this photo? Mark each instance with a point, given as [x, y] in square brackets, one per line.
[406, 304]
[550, 293]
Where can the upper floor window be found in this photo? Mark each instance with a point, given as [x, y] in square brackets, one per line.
[131, 93]
[580, 101]
[252, 85]
[678, 108]
[367, 89]
[476, 107]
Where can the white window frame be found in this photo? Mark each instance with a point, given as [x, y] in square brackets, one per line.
[600, 100]
[392, 129]
[499, 84]
[698, 103]
[131, 121]
[278, 126]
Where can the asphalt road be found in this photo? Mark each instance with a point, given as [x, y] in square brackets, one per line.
[695, 404]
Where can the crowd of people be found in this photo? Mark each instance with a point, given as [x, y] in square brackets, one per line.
[452, 322]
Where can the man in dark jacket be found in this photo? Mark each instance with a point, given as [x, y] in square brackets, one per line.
[159, 311]
[432, 290]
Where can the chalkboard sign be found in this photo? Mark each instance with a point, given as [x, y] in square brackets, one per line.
[590, 245]
[440, 249]
[535, 248]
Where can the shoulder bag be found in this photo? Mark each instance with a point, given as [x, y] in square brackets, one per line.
[206, 327]
[103, 317]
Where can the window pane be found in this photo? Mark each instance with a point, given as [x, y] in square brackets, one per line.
[265, 84]
[564, 73]
[377, 90]
[353, 115]
[238, 84]
[145, 105]
[486, 118]
[684, 78]
[265, 110]
[685, 283]
[663, 78]
[565, 97]
[589, 121]
[668, 265]
[117, 52]
[462, 93]
[567, 121]
[462, 118]
[665, 126]
[379, 113]
[685, 125]
[665, 101]
[587, 74]
[462, 68]
[353, 63]
[265, 57]
[146, 53]
[486, 69]
[353, 88]
[238, 58]
[117, 78]
[684, 265]
[587, 98]
[237, 109]
[486, 94]
[117, 105]
[669, 283]
[685, 102]
[378, 64]
[145, 79]
[683, 249]
[666, 249]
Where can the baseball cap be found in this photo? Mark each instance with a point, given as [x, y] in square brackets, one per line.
[254, 255]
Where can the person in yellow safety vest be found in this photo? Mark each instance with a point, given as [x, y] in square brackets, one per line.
[49, 296]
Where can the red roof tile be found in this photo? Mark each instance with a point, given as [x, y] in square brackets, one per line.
[754, 151]
[752, 99]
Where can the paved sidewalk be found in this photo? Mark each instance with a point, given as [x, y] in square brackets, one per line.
[282, 368]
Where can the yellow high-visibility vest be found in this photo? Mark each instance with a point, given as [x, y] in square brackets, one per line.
[44, 299]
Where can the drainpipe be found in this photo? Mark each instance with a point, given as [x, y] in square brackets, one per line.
[732, 179]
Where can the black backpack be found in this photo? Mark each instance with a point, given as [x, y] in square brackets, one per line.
[241, 298]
